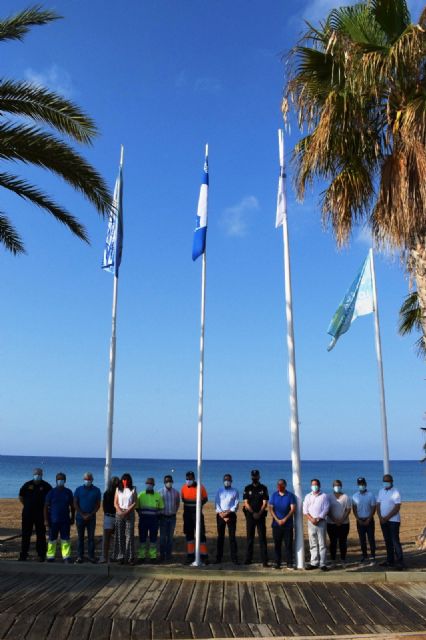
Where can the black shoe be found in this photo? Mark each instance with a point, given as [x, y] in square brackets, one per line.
[41, 558]
[400, 567]
[79, 561]
[22, 558]
[385, 564]
[309, 567]
[324, 568]
[235, 561]
[93, 560]
[277, 566]
[265, 564]
[217, 561]
[247, 561]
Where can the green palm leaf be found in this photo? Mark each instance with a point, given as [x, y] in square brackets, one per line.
[410, 320]
[17, 26]
[9, 236]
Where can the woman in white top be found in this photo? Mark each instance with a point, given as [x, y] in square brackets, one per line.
[338, 522]
[125, 503]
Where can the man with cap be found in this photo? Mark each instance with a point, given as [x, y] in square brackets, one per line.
[364, 508]
[149, 506]
[226, 503]
[255, 510]
[188, 495]
[32, 495]
[171, 499]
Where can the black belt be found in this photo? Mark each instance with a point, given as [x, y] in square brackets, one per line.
[110, 515]
[171, 515]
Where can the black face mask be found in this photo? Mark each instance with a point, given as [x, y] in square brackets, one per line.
[255, 480]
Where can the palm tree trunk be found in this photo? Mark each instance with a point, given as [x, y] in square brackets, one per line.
[418, 259]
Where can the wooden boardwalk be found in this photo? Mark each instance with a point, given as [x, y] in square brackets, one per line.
[84, 607]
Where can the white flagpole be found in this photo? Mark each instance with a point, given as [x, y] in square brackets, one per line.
[386, 467]
[292, 380]
[111, 376]
[197, 562]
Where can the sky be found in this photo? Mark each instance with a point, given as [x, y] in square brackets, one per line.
[163, 78]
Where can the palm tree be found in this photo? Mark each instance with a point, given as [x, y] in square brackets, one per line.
[27, 112]
[358, 86]
[410, 320]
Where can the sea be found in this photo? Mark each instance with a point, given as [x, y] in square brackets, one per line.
[409, 475]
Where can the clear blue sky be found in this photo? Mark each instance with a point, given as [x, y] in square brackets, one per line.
[163, 78]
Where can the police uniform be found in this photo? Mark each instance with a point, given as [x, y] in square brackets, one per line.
[189, 499]
[255, 494]
[33, 495]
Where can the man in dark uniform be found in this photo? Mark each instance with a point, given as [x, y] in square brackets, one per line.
[255, 505]
[32, 495]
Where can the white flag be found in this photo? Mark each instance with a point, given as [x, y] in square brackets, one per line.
[281, 198]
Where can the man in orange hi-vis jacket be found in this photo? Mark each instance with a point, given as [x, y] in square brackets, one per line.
[189, 498]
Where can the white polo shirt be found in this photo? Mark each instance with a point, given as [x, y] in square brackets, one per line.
[388, 498]
[364, 502]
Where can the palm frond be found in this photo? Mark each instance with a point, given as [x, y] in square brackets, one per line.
[392, 15]
[16, 26]
[37, 197]
[9, 236]
[359, 25]
[40, 104]
[32, 145]
[410, 320]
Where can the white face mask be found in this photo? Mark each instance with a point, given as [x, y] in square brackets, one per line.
[189, 483]
[227, 484]
[168, 485]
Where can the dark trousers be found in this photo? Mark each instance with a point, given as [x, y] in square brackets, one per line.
[32, 521]
[89, 526]
[367, 531]
[221, 528]
[338, 534]
[148, 527]
[167, 529]
[390, 532]
[251, 526]
[282, 534]
[189, 520]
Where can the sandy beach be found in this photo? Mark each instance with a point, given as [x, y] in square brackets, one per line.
[413, 520]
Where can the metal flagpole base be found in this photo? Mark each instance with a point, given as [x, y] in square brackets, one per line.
[197, 564]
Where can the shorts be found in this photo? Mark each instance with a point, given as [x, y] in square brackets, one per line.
[109, 522]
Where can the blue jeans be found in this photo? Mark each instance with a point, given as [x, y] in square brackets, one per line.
[82, 526]
[390, 532]
[59, 528]
[167, 529]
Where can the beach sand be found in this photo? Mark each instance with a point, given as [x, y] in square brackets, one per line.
[413, 521]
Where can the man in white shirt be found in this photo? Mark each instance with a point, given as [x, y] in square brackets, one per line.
[364, 508]
[316, 506]
[388, 507]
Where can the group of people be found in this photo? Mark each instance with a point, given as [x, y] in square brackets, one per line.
[57, 509]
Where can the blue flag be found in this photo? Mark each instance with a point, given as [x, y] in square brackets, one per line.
[358, 301]
[114, 240]
[199, 240]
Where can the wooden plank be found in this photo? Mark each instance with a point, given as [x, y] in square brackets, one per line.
[85, 596]
[260, 630]
[179, 608]
[49, 594]
[321, 629]
[152, 594]
[25, 595]
[80, 630]
[141, 629]
[101, 629]
[60, 628]
[111, 604]
[20, 628]
[180, 630]
[6, 621]
[315, 606]
[62, 606]
[160, 630]
[134, 599]
[265, 608]
[214, 605]
[332, 605]
[297, 606]
[280, 629]
[163, 605]
[351, 609]
[231, 604]
[40, 628]
[198, 602]
[201, 630]
[248, 603]
[299, 630]
[401, 601]
[241, 630]
[221, 630]
[370, 614]
[121, 629]
[383, 610]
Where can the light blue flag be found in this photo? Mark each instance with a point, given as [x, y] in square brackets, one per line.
[200, 232]
[358, 301]
[114, 241]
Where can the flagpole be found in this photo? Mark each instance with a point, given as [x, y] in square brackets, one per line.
[111, 375]
[198, 562]
[292, 380]
[386, 466]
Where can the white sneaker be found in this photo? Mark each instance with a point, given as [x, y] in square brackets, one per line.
[102, 560]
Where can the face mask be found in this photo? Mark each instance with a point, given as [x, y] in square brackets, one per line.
[36, 477]
[168, 485]
[337, 489]
[362, 488]
[227, 483]
[189, 483]
[314, 488]
[387, 485]
[255, 480]
[125, 483]
[149, 487]
[60, 483]
[87, 483]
